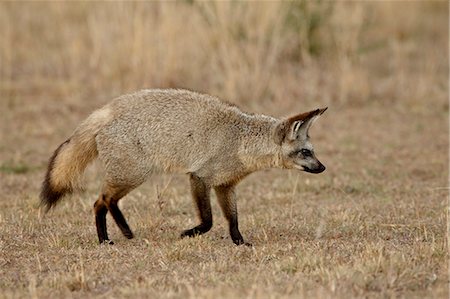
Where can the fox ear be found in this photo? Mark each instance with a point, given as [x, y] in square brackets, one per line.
[298, 125]
[286, 130]
[308, 119]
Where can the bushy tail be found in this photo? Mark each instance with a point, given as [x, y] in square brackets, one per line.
[71, 158]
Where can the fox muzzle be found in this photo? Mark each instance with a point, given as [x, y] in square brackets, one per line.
[320, 168]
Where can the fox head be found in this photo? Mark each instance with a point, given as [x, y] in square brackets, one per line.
[296, 149]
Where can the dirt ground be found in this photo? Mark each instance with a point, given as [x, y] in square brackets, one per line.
[374, 224]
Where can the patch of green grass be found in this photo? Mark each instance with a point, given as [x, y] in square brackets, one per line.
[15, 168]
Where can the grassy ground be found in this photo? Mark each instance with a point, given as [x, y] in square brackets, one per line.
[373, 224]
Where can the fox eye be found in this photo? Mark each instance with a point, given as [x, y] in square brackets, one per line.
[306, 152]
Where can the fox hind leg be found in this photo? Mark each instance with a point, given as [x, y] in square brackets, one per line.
[108, 201]
[201, 195]
[111, 198]
[100, 210]
[125, 170]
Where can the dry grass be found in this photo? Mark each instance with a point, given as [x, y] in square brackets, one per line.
[374, 224]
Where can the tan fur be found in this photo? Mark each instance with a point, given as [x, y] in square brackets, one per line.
[74, 156]
[185, 132]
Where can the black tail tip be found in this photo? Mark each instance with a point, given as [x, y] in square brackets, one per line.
[49, 196]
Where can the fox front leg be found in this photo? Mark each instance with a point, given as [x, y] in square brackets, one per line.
[201, 196]
[227, 200]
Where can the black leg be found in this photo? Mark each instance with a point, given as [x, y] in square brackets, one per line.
[200, 194]
[100, 221]
[235, 233]
[227, 200]
[111, 196]
[120, 219]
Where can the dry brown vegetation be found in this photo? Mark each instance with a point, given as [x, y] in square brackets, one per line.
[374, 224]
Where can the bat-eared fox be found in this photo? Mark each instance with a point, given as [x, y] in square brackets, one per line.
[180, 131]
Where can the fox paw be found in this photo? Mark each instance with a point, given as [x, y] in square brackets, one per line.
[107, 242]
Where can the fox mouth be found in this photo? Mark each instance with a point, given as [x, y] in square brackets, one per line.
[319, 169]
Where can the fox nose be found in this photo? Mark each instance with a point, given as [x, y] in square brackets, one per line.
[321, 168]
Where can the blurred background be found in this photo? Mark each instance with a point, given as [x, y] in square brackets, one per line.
[250, 53]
